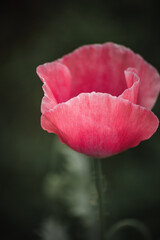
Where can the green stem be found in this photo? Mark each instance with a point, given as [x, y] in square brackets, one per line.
[139, 226]
[99, 181]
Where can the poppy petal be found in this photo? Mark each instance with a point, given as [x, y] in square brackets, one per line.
[100, 68]
[56, 78]
[133, 81]
[48, 101]
[100, 125]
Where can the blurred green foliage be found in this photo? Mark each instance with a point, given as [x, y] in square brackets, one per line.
[46, 189]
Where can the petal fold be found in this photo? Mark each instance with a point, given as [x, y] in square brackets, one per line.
[133, 82]
[57, 81]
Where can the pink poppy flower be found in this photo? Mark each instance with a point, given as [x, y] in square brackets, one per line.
[98, 99]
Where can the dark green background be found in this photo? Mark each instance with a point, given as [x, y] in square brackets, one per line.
[39, 184]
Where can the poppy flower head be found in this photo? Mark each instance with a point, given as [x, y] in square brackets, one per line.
[97, 99]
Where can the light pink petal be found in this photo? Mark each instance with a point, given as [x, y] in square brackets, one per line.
[57, 79]
[99, 124]
[133, 82]
[131, 76]
[48, 101]
[101, 67]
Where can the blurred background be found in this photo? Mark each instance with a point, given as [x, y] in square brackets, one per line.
[47, 190]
